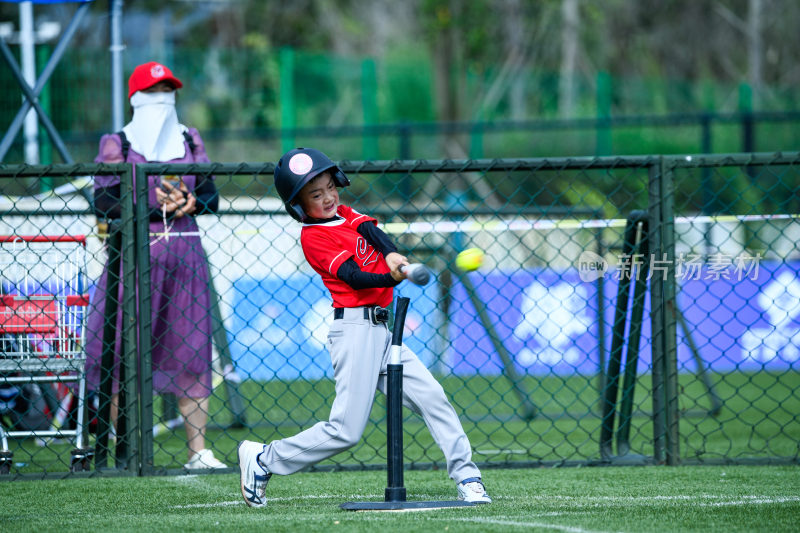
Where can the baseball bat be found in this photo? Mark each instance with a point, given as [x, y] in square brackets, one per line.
[416, 273]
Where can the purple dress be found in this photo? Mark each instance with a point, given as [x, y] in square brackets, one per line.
[181, 300]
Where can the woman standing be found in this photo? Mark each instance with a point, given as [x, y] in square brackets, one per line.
[181, 301]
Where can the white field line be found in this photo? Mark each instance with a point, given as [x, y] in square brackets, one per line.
[279, 499]
[705, 500]
[750, 500]
[526, 525]
[207, 505]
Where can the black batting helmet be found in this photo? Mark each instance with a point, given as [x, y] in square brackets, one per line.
[296, 168]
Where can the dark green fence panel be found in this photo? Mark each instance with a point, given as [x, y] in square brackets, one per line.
[571, 344]
[52, 255]
[737, 282]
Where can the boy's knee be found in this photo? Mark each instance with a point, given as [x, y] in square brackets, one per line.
[345, 436]
[348, 439]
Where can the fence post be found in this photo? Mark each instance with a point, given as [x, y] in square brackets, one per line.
[287, 99]
[705, 182]
[476, 141]
[145, 369]
[45, 146]
[663, 315]
[404, 141]
[603, 95]
[670, 338]
[404, 149]
[369, 108]
[109, 336]
[127, 452]
[746, 110]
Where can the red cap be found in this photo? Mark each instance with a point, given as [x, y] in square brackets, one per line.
[148, 74]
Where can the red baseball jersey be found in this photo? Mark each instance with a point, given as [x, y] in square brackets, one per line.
[329, 244]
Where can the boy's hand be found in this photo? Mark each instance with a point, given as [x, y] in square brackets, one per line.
[395, 261]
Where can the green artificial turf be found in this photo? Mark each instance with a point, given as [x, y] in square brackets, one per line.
[595, 499]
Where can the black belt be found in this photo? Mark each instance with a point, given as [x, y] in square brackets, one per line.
[376, 314]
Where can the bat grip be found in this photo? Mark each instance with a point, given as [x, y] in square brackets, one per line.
[399, 320]
[397, 332]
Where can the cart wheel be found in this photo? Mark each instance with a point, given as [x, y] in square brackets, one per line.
[6, 459]
[81, 459]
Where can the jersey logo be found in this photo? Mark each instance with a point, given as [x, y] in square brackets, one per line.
[365, 253]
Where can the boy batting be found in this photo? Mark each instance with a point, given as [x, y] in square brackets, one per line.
[359, 265]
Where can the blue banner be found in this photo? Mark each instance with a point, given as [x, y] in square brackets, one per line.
[548, 321]
[280, 326]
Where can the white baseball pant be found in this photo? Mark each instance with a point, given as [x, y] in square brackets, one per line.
[359, 352]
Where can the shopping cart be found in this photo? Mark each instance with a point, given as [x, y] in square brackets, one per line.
[43, 303]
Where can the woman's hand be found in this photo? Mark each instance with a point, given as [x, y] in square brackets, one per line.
[187, 208]
[394, 260]
[177, 201]
[169, 197]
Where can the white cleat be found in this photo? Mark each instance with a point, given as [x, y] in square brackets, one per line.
[472, 490]
[204, 460]
[253, 476]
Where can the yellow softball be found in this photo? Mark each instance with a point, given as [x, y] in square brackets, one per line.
[470, 259]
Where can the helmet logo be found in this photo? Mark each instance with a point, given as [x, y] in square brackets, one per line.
[157, 71]
[300, 164]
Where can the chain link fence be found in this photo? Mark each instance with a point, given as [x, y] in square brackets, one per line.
[631, 310]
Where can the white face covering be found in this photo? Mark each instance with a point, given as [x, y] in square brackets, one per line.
[154, 130]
